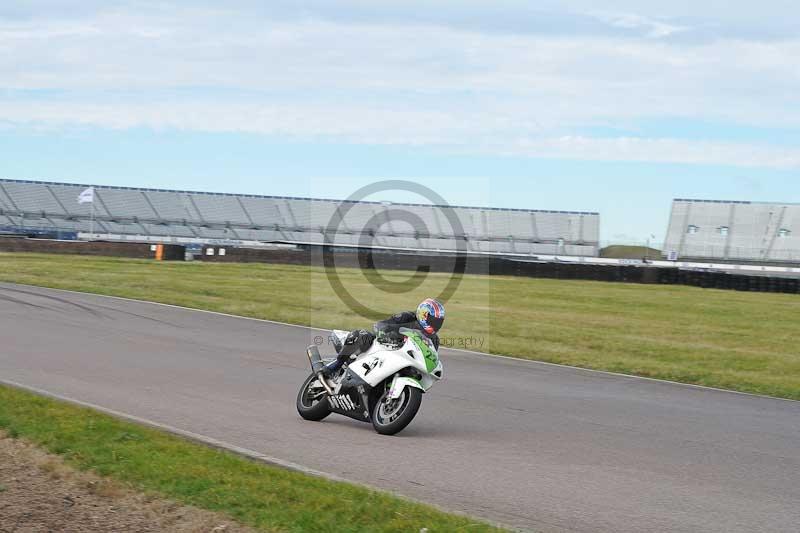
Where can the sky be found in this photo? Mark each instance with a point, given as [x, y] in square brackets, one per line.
[616, 106]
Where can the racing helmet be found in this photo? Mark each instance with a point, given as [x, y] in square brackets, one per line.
[430, 315]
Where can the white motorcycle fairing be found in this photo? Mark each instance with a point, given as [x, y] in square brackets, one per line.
[381, 362]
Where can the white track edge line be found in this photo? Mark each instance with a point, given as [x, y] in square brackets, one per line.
[253, 455]
[471, 352]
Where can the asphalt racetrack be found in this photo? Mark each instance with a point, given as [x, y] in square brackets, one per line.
[532, 446]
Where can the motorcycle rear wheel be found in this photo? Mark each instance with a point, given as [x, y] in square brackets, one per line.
[390, 417]
[312, 403]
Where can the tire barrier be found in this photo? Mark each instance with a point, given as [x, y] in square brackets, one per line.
[169, 252]
[499, 266]
[375, 259]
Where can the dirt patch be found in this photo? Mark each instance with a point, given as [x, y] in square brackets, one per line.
[39, 493]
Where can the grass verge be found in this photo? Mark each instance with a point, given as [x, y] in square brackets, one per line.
[267, 498]
[630, 252]
[726, 339]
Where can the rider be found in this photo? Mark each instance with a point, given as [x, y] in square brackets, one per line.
[429, 319]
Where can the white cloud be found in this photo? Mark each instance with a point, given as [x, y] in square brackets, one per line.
[212, 69]
[661, 150]
[370, 125]
[651, 27]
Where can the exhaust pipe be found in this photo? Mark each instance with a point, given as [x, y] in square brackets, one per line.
[317, 365]
[314, 358]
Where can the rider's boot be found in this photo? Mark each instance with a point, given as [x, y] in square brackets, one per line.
[332, 368]
[355, 343]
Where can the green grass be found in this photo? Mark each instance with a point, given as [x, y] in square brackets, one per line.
[733, 340]
[631, 252]
[268, 498]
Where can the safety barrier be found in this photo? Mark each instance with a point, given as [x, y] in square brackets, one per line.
[169, 252]
[633, 273]
[370, 259]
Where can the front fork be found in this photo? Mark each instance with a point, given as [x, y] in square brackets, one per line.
[399, 383]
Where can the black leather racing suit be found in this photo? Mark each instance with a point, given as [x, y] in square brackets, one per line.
[360, 340]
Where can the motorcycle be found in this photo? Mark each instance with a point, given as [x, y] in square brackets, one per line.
[383, 385]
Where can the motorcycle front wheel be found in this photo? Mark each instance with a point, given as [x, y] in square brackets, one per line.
[390, 417]
[312, 402]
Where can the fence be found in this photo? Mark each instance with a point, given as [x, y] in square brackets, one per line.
[370, 259]
[509, 267]
[114, 249]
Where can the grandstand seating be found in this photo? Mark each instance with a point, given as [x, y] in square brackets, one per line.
[735, 231]
[186, 215]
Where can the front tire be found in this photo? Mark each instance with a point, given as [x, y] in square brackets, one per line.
[312, 403]
[390, 417]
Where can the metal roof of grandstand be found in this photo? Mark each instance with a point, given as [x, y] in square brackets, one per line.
[739, 202]
[146, 189]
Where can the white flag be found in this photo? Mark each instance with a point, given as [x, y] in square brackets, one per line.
[87, 196]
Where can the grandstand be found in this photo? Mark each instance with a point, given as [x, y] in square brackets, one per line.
[734, 231]
[184, 217]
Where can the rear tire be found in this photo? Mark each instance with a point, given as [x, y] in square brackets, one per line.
[390, 417]
[312, 404]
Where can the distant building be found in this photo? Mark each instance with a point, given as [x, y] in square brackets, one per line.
[184, 217]
[734, 231]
